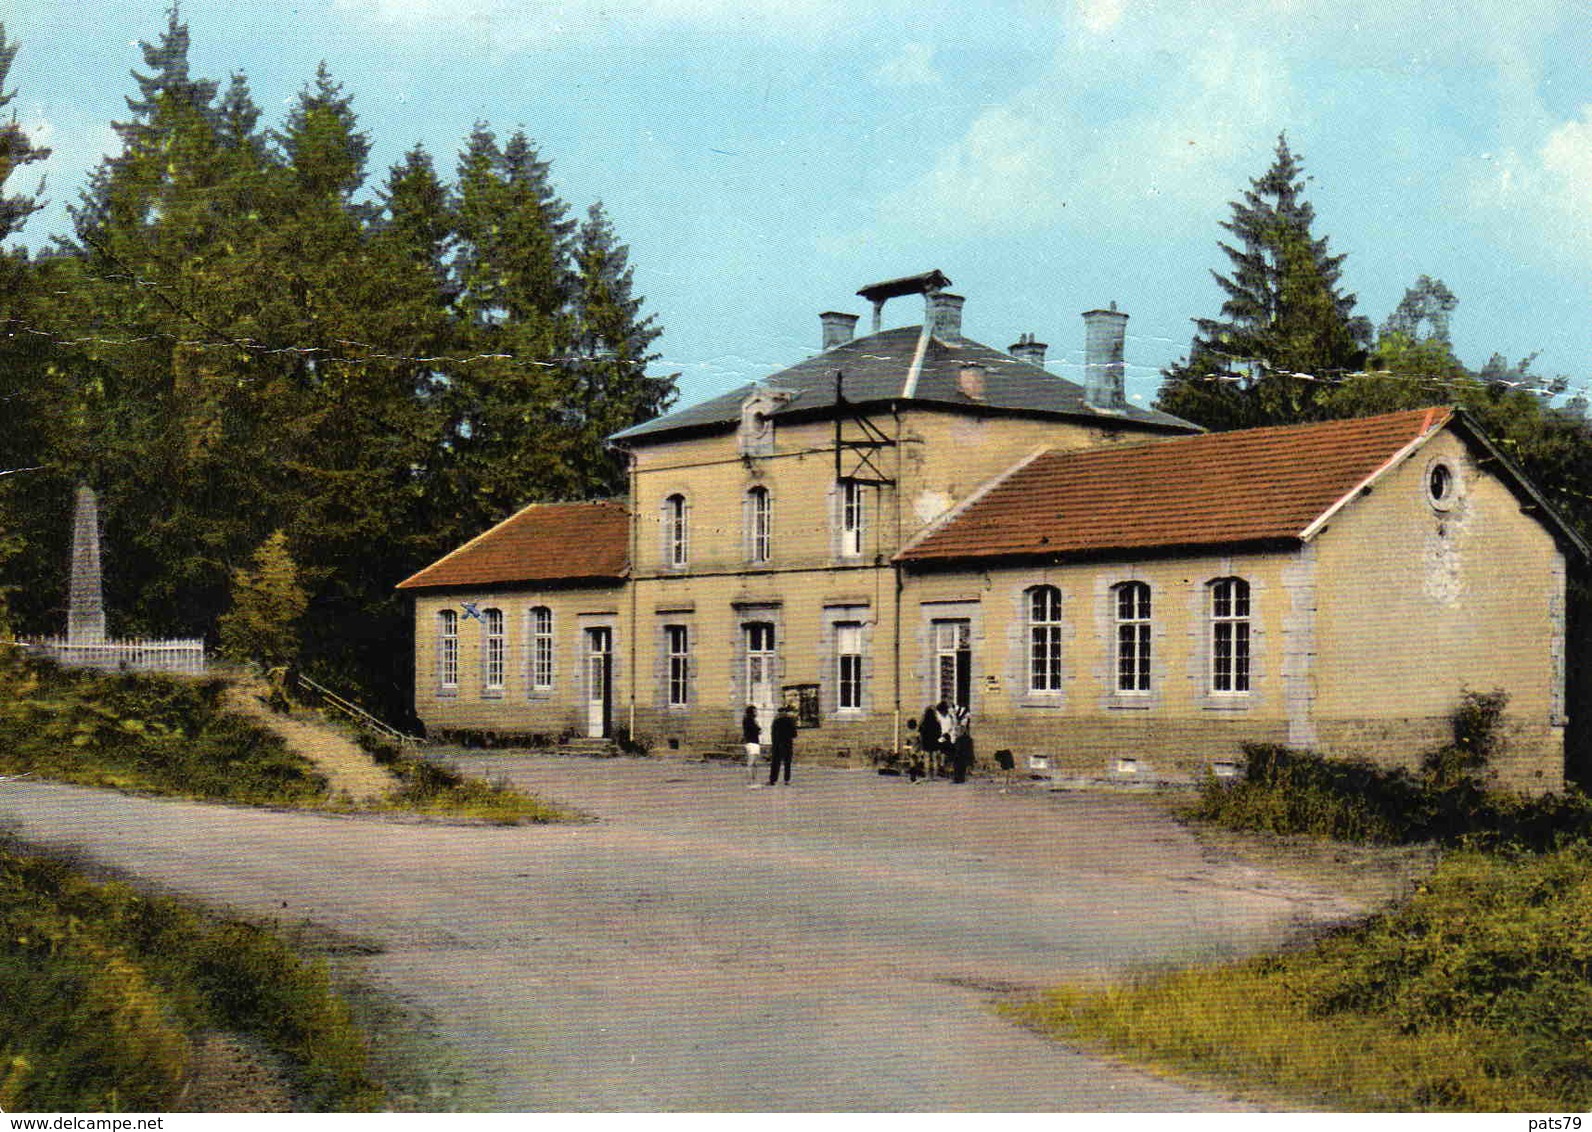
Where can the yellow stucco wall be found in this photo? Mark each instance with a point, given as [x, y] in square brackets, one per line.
[1417, 604]
[517, 708]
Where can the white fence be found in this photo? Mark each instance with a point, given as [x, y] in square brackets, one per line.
[186, 657]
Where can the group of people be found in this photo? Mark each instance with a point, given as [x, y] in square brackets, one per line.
[782, 742]
[945, 736]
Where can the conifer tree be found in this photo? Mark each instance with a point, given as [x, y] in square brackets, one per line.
[16, 151]
[1286, 330]
[612, 389]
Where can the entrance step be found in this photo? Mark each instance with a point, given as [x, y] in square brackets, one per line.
[591, 748]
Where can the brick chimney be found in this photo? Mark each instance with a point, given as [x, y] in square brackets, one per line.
[838, 328]
[1104, 332]
[942, 311]
[1025, 349]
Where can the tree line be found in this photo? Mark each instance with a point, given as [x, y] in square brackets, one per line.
[281, 376]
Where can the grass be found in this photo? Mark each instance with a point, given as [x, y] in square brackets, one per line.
[106, 990]
[172, 736]
[439, 789]
[1472, 997]
[128, 731]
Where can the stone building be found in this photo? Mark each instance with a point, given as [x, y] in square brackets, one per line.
[911, 516]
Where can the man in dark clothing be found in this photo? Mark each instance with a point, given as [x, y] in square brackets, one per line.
[782, 736]
[929, 734]
[961, 747]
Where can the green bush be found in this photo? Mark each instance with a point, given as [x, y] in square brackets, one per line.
[1298, 792]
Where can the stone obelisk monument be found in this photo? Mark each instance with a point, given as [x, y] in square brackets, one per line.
[85, 616]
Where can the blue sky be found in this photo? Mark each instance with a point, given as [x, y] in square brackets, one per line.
[765, 158]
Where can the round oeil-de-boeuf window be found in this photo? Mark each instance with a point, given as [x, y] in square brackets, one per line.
[1442, 483]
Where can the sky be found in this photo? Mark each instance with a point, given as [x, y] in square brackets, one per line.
[764, 159]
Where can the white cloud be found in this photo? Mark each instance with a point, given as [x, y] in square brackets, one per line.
[1538, 198]
[514, 23]
[913, 65]
[1101, 15]
[1067, 146]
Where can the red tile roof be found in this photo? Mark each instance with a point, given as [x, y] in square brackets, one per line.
[1255, 485]
[545, 542]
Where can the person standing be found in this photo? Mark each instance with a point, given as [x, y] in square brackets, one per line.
[929, 731]
[947, 719]
[752, 739]
[961, 746]
[782, 736]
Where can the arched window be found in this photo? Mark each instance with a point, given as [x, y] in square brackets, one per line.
[1044, 639]
[541, 649]
[759, 525]
[495, 652]
[675, 546]
[1133, 637]
[1229, 635]
[448, 649]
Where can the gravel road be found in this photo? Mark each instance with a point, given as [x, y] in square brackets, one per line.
[832, 945]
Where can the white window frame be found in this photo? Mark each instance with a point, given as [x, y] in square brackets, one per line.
[1044, 652]
[1133, 604]
[853, 518]
[448, 649]
[494, 650]
[765, 659]
[677, 651]
[848, 666]
[760, 525]
[1231, 637]
[540, 639]
[676, 532]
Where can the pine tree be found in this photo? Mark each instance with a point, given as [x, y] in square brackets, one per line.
[16, 151]
[31, 392]
[1286, 329]
[612, 389]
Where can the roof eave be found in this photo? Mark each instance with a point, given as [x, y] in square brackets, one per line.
[1428, 430]
[1264, 544]
[1518, 481]
[411, 586]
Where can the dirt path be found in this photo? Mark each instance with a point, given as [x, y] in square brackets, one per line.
[348, 769]
[834, 945]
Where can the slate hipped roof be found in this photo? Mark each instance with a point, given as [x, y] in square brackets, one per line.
[884, 367]
[1263, 485]
[545, 542]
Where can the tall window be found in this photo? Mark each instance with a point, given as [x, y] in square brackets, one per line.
[678, 640]
[1133, 637]
[541, 649]
[448, 649]
[675, 548]
[493, 658]
[852, 518]
[760, 662]
[760, 524]
[848, 664]
[953, 662]
[1044, 639]
[1229, 635]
